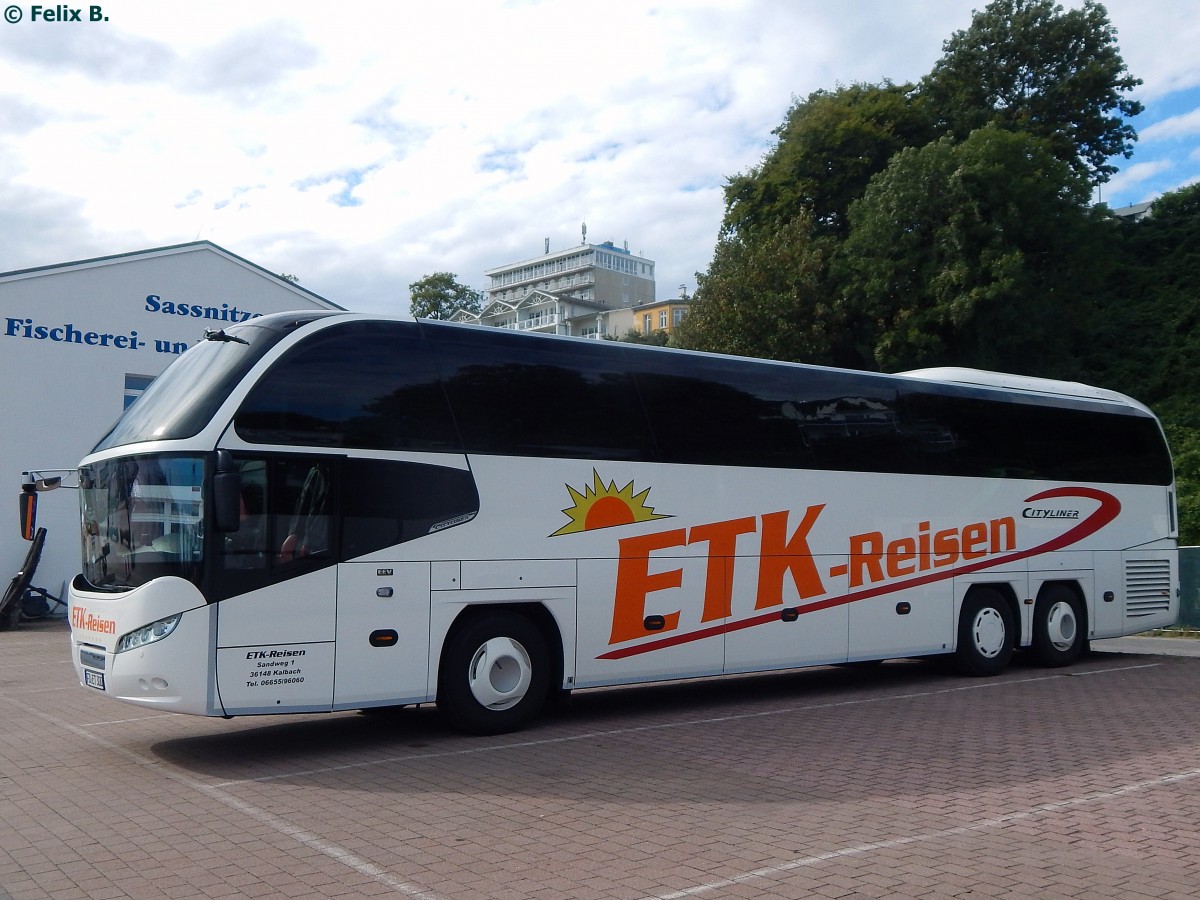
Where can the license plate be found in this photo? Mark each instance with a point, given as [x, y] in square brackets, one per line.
[93, 679]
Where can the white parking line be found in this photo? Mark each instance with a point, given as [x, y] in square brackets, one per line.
[262, 816]
[983, 825]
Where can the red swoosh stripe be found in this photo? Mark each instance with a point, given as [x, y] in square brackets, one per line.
[1109, 509]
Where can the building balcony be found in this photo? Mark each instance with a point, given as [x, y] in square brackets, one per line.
[534, 323]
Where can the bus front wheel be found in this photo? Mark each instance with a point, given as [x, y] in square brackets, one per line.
[985, 633]
[1058, 627]
[495, 674]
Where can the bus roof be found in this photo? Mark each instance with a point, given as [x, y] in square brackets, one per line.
[1024, 383]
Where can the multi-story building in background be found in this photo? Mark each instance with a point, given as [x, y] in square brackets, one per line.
[572, 291]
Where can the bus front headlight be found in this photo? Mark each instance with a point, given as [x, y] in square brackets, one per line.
[148, 634]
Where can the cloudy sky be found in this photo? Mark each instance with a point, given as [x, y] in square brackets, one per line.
[363, 145]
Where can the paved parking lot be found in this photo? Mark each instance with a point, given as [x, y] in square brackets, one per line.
[900, 780]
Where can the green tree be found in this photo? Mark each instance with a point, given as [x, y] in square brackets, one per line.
[1030, 66]
[967, 254]
[766, 295]
[829, 146]
[1146, 342]
[439, 296]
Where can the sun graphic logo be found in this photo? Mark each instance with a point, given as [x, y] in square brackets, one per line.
[601, 506]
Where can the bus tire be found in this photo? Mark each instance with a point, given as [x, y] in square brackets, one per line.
[985, 633]
[1059, 633]
[495, 674]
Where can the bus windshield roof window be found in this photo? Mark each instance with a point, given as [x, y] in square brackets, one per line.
[184, 398]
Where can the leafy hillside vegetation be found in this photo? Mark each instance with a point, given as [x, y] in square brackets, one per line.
[949, 222]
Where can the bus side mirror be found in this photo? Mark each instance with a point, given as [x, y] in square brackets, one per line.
[227, 494]
[34, 483]
[28, 512]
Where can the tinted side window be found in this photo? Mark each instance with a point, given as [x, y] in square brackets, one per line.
[997, 439]
[371, 385]
[386, 503]
[717, 411]
[707, 413]
[531, 396]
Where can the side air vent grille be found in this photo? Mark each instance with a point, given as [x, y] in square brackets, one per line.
[1147, 587]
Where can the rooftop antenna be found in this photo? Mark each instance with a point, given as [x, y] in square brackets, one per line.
[584, 233]
[547, 245]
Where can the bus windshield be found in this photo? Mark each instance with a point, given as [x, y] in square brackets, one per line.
[143, 518]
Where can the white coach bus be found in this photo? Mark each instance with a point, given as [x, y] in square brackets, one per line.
[329, 511]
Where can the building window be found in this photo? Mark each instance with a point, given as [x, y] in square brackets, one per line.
[677, 315]
[646, 323]
[662, 318]
[135, 385]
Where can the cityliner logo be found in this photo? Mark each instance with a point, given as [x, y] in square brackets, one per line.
[873, 564]
[1033, 512]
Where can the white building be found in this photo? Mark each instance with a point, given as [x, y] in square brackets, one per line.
[568, 291]
[81, 340]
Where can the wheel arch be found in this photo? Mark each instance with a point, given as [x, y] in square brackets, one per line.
[984, 641]
[1005, 589]
[1075, 588]
[533, 610]
[1052, 645]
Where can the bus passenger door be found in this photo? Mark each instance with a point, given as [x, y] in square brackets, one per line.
[382, 634]
[276, 573]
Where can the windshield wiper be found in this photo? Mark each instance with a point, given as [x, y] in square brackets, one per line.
[210, 335]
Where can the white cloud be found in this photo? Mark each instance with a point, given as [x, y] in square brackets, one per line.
[1174, 127]
[1130, 178]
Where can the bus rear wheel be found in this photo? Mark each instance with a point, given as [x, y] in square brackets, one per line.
[985, 634]
[494, 676]
[1058, 626]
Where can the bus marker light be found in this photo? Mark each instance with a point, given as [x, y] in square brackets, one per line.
[903, 608]
[384, 638]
